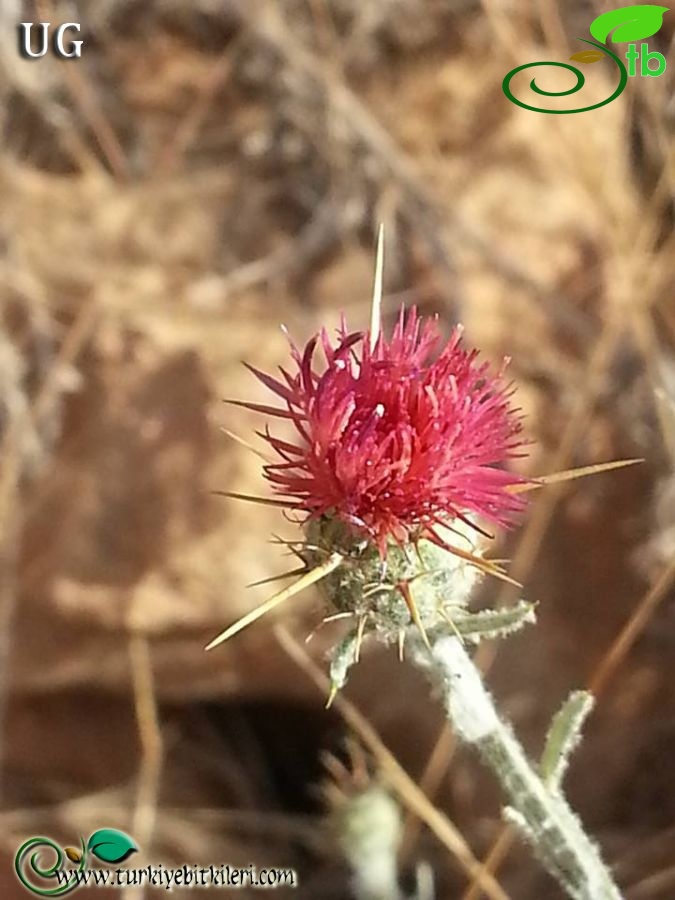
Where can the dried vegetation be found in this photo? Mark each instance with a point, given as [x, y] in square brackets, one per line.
[206, 171]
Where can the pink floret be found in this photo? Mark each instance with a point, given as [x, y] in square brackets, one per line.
[396, 439]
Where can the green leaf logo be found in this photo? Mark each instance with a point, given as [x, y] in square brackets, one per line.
[632, 23]
[111, 845]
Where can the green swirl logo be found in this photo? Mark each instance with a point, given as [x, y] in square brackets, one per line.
[38, 876]
[28, 865]
[631, 23]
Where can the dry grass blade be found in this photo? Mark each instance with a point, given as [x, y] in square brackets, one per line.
[430, 782]
[187, 131]
[654, 886]
[10, 473]
[496, 856]
[618, 651]
[409, 793]
[90, 108]
[150, 737]
[75, 339]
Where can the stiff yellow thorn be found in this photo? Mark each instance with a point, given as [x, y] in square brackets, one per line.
[309, 578]
[484, 565]
[331, 695]
[360, 628]
[325, 621]
[497, 573]
[571, 474]
[406, 593]
[299, 571]
[376, 308]
[401, 642]
[336, 616]
[244, 443]
[448, 618]
[294, 546]
[266, 501]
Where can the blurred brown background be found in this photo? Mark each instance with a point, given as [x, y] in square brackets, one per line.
[207, 171]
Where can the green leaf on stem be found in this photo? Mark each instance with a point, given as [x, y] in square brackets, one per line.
[492, 623]
[563, 736]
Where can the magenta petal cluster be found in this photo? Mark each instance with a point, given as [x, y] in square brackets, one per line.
[395, 437]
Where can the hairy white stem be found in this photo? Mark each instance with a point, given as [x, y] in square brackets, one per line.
[541, 812]
[369, 832]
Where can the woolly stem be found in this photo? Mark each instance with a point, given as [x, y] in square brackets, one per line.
[369, 832]
[541, 813]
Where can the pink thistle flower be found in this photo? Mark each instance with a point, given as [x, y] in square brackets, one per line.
[394, 437]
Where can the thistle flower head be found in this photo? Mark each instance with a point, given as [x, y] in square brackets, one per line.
[395, 437]
[399, 443]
